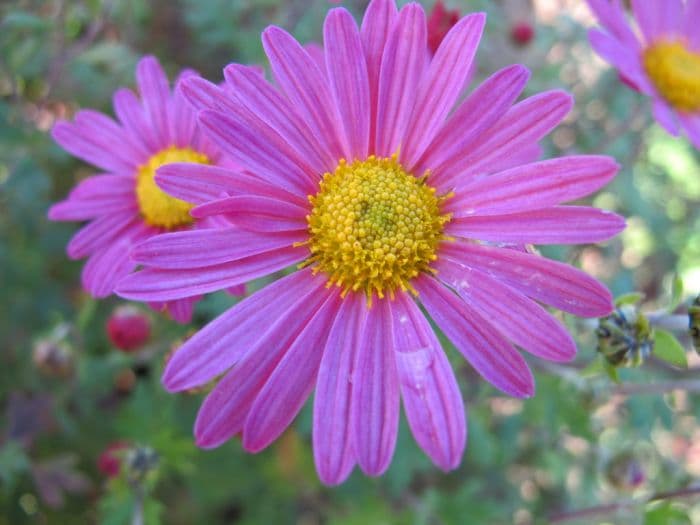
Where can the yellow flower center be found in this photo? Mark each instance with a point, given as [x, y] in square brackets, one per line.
[157, 207]
[675, 72]
[374, 227]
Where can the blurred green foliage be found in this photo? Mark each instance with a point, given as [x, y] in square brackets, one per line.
[525, 461]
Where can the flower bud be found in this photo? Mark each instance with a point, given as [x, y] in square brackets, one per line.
[110, 461]
[625, 337]
[139, 462]
[625, 472]
[125, 381]
[522, 33]
[53, 355]
[694, 323]
[128, 328]
[439, 22]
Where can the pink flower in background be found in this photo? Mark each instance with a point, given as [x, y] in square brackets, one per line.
[388, 194]
[123, 205]
[439, 22]
[663, 63]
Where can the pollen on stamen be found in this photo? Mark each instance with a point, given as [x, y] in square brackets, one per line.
[374, 227]
[675, 72]
[157, 207]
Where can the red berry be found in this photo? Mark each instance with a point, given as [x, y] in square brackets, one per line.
[110, 461]
[440, 22]
[128, 328]
[522, 33]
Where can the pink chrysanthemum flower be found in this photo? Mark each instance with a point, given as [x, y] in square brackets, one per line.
[124, 205]
[373, 179]
[664, 63]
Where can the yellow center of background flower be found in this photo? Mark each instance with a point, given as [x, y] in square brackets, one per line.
[157, 207]
[675, 72]
[374, 227]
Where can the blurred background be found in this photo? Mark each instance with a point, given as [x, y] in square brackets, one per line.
[87, 435]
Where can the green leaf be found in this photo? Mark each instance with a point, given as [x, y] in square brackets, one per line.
[676, 292]
[594, 368]
[23, 20]
[666, 513]
[667, 348]
[629, 298]
[13, 462]
[611, 371]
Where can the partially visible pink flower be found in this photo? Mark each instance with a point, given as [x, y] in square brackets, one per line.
[123, 205]
[440, 21]
[664, 63]
[387, 192]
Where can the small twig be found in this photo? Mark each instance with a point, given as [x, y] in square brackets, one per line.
[138, 518]
[633, 389]
[613, 507]
[67, 53]
[677, 324]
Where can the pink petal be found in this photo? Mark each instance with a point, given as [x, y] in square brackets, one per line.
[333, 453]
[375, 393]
[200, 183]
[665, 116]
[100, 233]
[155, 284]
[691, 124]
[106, 267]
[227, 339]
[523, 125]
[524, 155]
[306, 87]
[657, 19]
[292, 381]
[491, 355]
[110, 134]
[155, 94]
[376, 25]
[260, 149]
[96, 196]
[225, 410]
[315, 51]
[556, 225]
[260, 214]
[403, 66]
[612, 16]
[551, 282]
[347, 73]
[239, 289]
[267, 102]
[690, 25]
[181, 309]
[441, 86]
[201, 248]
[134, 119]
[95, 148]
[625, 59]
[533, 186]
[520, 319]
[476, 115]
[431, 397]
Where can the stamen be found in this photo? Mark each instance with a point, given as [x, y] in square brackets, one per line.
[374, 227]
[157, 207]
[675, 72]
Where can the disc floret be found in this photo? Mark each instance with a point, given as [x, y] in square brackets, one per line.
[675, 72]
[374, 226]
[157, 207]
